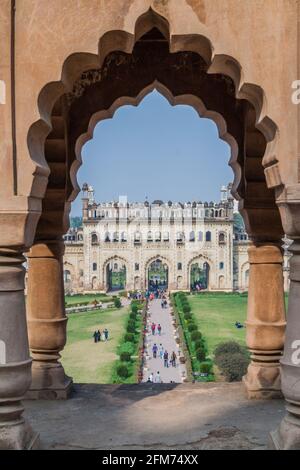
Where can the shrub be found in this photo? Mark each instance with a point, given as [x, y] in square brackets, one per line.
[117, 302]
[131, 327]
[134, 308]
[200, 354]
[188, 316]
[205, 367]
[126, 347]
[186, 308]
[199, 343]
[233, 365]
[132, 316]
[228, 347]
[195, 335]
[129, 337]
[125, 356]
[122, 371]
[192, 327]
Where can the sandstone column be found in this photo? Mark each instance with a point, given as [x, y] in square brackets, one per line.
[288, 434]
[265, 320]
[47, 320]
[15, 363]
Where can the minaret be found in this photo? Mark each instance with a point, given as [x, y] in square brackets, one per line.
[224, 193]
[85, 201]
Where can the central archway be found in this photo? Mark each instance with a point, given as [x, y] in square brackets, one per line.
[158, 275]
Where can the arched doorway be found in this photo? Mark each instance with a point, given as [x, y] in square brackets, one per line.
[115, 275]
[158, 272]
[199, 276]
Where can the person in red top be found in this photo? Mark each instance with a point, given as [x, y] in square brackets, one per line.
[159, 329]
[153, 327]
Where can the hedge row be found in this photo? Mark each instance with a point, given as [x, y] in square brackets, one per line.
[125, 368]
[195, 341]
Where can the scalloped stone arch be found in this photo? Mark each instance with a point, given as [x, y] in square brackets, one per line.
[162, 258]
[124, 41]
[113, 258]
[190, 262]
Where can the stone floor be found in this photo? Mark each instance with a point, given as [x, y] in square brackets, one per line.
[155, 416]
[162, 316]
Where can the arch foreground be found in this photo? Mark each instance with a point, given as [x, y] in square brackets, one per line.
[52, 118]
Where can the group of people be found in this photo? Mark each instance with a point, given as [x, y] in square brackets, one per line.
[159, 351]
[98, 336]
[155, 327]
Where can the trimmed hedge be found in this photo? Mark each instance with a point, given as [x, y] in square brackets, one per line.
[129, 337]
[125, 356]
[122, 371]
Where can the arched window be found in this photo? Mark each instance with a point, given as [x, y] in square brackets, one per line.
[166, 236]
[180, 236]
[208, 236]
[200, 236]
[149, 237]
[179, 266]
[80, 238]
[222, 238]
[221, 265]
[107, 237]
[137, 267]
[192, 236]
[67, 276]
[94, 239]
[157, 236]
[94, 266]
[123, 237]
[115, 266]
[116, 237]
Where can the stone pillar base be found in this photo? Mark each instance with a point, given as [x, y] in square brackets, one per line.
[262, 380]
[18, 436]
[49, 382]
[287, 436]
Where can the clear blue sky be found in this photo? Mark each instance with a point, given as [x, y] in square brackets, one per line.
[155, 150]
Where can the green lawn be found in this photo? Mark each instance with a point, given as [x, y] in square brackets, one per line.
[216, 316]
[84, 360]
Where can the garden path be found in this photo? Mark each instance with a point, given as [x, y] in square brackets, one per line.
[157, 314]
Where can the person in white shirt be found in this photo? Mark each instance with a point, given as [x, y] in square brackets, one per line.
[157, 378]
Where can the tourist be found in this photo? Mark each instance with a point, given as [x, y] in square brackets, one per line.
[154, 350]
[161, 351]
[166, 359]
[153, 327]
[150, 378]
[105, 332]
[98, 335]
[159, 329]
[95, 335]
[157, 379]
[173, 359]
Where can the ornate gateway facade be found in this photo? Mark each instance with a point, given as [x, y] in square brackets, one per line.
[132, 246]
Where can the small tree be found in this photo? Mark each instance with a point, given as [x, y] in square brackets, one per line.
[233, 365]
[122, 371]
[117, 302]
[200, 354]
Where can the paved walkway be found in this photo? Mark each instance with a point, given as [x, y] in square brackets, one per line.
[162, 316]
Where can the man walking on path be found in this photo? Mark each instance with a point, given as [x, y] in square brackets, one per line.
[154, 350]
[153, 326]
[106, 334]
[173, 359]
[161, 351]
[166, 359]
[159, 329]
